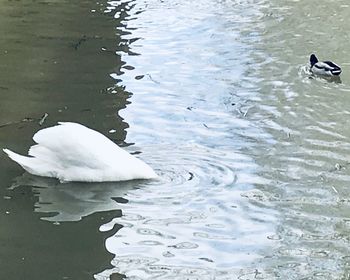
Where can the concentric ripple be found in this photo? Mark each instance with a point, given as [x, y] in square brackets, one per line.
[194, 217]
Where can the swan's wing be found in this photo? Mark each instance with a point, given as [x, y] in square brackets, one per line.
[75, 144]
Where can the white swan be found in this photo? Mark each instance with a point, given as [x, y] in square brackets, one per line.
[73, 152]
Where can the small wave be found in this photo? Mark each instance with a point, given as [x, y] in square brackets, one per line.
[173, 219]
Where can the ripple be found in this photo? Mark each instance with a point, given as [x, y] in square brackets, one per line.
[149, 243]
[184, 245]
[185, 216]
[153, 232]
[195, 214]
[247, 173]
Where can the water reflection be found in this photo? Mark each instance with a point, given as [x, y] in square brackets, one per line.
[52, 61]
[204, 218]
[306, 116]
[195, 220]
[228, 78]
[72, 201]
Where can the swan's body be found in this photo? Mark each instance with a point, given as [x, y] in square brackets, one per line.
[73, 152]
[324, 68]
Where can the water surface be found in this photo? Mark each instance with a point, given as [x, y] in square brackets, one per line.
[250, 148]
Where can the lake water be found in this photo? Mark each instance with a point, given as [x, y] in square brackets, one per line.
[252, 151]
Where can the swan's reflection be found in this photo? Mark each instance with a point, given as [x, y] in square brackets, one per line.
[72, 201]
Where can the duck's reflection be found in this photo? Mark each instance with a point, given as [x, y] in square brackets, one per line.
[329, 79]
[73, 201]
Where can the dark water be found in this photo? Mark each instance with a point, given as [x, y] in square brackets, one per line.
[216, 96]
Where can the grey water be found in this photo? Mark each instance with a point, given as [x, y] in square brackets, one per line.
[251, 149]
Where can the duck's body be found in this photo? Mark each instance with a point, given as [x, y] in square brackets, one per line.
[324, 68]
[73, 152]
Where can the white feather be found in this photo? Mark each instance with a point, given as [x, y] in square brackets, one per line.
[321, 68]
[73, 152]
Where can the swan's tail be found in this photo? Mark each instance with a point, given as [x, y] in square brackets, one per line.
[25, 162]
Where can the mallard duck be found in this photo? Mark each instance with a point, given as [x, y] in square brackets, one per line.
[72, 152]
[325, 68]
